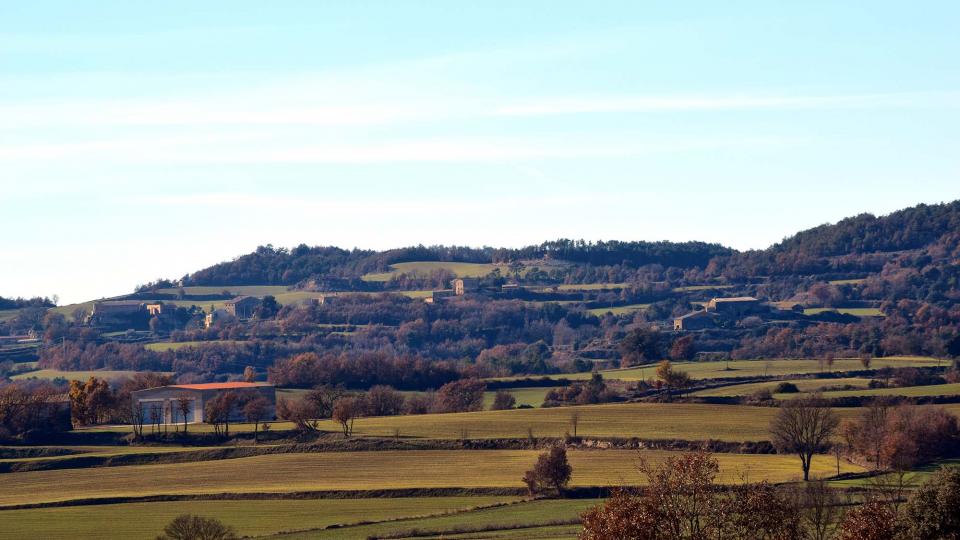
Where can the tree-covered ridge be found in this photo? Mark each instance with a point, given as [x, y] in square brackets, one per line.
[282, 266]
[910, 228]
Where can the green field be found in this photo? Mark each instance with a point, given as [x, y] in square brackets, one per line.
[172, 346]
[859, 312]
[643, 420]
[461, 269]
[235, 290]
[248, 517]
[592, 286]
[524, 396]
[804, 385]
[521, 521]
[909, 391]
[692, 288]
[752, 368]
[7, 314]
[279, 473]
[847, 281]
[756, 368]
[619, 310]
[73, 375]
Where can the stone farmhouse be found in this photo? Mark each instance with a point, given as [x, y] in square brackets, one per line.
[242, 307]
[161, 404]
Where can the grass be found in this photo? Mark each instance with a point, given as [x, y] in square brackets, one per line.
[913, 478]
[643, 420]
[110, 451]
[909, 391]
[524, 396]
[249, 518]
[753, 368]
[281, 473]
[505, 520]
[172, 346]
[859, 312]
[847, 281]
[461, 269]
[50, 374]
[548, 532]
[692, 288]
[804, 385]
[7, 314]
[592, 286]
[619, 310]
[236, 290]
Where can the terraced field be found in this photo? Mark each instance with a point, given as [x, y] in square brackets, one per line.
[248, 517]
[461, 269]
[859, 312]
[73, 375]
[522, 521]
[281, 473]
[804, 385]
[910, 391]
[759, 368]
[619, 310]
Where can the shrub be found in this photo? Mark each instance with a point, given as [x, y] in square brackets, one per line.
[933, 512]
[190, 527]
[552, 470]
[786, 388]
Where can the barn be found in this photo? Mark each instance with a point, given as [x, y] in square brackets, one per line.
[162, 404]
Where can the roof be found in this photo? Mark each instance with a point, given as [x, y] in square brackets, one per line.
[736, 299]
[694, 314]
[219, 386]
[239, 299]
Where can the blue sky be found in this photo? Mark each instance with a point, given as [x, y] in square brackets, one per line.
[145, 140]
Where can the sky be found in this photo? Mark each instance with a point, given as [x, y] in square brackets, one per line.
[151, 139]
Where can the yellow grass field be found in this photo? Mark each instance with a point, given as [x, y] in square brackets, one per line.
[859, 312]
[73, 375]
[643, 420]
[366, 470]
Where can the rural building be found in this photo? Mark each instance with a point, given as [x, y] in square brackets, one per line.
[218, 316]
[438, 296]
[462, 286]
[698, 320]
[242, 307]
[161, 404]
[735, 307]
[118, 313]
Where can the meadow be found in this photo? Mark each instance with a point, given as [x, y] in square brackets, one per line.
[908, 391]
[619, 310]
[859, 312]
[283, 473]
[461, 269]
[804, 385]
[526, 520]
[73, 375]
[248, 517]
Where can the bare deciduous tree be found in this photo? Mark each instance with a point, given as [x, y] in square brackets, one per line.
[803, 426]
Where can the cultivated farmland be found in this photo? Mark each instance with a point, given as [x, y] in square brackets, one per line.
[249, 517]
[351, 471]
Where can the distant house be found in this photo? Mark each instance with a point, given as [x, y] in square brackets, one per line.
[118, 313]
[735, 307]
[218, 316]
[242, 307]
[161, 404]
[698, 320]
[438, 296]
[462, 286]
